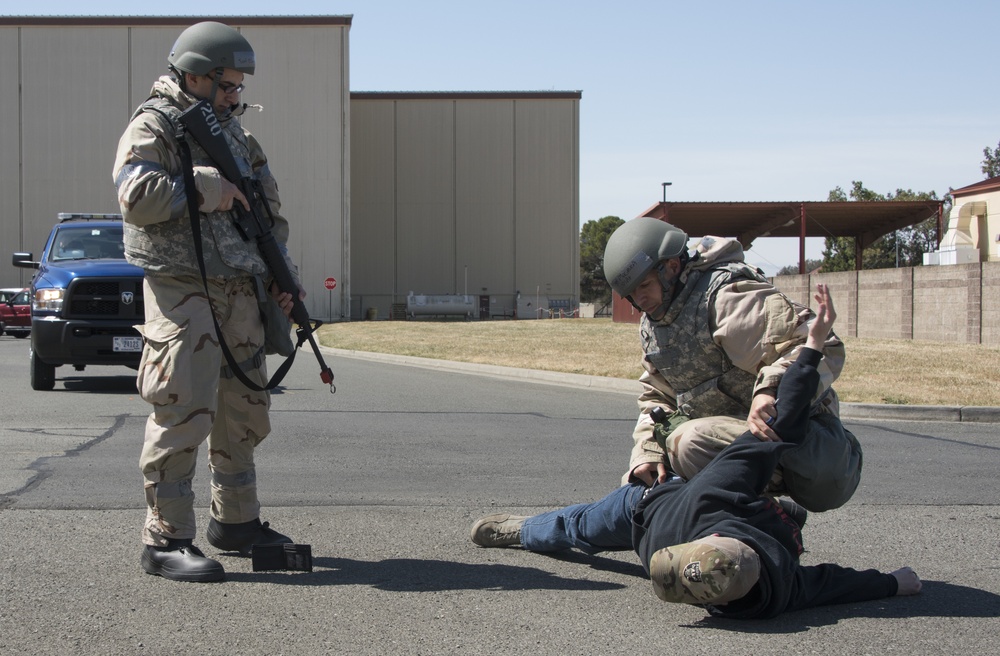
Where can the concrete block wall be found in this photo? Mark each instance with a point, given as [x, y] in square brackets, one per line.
[946, 303]
[885, 304]
[990, 299]
[956, 303]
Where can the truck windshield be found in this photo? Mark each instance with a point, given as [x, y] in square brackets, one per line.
[88, 243]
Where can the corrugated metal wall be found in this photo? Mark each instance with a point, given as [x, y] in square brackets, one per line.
[10, 155]
[464, 193]
[80, 81]
[64, 125]
[304, 128]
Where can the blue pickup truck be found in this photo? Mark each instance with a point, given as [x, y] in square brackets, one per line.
[85, 298]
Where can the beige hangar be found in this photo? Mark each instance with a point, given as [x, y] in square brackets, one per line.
[465, 194]
[434, 193]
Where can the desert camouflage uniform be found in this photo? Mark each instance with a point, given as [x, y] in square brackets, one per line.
[728, 336]
[182, 373]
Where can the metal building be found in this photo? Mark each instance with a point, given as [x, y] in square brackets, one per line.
[465, 194]
[440, 193]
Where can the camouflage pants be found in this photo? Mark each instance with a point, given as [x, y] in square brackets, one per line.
[821, 474]
[183, 375]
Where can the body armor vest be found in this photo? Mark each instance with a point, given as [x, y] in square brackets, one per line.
[168, 247]
[681, 348]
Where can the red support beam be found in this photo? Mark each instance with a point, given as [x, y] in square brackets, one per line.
[802, 239]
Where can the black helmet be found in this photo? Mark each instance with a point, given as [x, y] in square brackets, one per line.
[207, 46]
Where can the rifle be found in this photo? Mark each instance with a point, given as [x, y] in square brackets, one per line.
[201, 123]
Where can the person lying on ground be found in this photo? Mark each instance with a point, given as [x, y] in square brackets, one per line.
[716, 540]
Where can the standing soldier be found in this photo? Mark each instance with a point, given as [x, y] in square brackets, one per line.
[193, 396]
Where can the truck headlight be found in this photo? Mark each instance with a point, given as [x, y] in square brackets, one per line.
[49, 300]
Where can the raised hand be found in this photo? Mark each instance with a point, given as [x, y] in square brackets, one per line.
[825, 316]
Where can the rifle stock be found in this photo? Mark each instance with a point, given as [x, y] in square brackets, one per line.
[202, 124]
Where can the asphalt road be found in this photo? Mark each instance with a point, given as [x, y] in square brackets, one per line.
[384, 479]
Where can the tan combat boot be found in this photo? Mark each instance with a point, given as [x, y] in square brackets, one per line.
[498, 530]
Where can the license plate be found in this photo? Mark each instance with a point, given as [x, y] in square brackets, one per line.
[127, 344]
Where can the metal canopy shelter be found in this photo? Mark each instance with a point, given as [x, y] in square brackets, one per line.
[863, 220]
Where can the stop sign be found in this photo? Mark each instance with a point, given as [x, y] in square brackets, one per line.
[330, 283]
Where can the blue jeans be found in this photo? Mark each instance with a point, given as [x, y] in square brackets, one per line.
[604, 525]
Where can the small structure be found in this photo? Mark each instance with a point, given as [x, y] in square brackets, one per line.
[970, 236]
[747, 221]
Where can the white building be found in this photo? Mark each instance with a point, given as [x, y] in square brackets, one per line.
[973, 231]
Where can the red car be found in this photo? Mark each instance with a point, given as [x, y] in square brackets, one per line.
[15, 312]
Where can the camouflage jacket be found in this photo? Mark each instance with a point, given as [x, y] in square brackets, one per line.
[728, 336]
[149, 177]
[681, 349]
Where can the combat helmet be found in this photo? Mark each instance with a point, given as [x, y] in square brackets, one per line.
[636, 248]
[207, 46]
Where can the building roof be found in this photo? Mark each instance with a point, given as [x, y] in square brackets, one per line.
[112, 21]
[465, 95]
[747, 221]
[989, 184]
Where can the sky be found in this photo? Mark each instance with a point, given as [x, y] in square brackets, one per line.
[727, 100]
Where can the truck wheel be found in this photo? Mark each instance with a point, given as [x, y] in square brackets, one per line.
[43, 376]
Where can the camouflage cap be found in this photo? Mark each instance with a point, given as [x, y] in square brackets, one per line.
[712, 570]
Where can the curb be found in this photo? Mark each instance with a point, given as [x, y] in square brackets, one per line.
[968, 413]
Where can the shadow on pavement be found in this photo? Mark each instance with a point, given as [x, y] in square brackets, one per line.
[936, 599]
[416, 575]
[600, 563]
[97, 384]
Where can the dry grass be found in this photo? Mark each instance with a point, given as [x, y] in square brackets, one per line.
[877, 371]
[920, 373]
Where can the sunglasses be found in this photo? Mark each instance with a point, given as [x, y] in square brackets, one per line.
[228, 87]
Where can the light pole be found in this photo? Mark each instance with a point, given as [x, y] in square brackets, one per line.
[665, 185]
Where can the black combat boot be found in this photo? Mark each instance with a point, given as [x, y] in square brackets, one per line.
[181, 561]
[242, 537]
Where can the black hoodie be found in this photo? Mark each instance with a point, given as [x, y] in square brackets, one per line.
[725, 498]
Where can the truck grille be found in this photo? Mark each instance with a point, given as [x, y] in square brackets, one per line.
[105, 298]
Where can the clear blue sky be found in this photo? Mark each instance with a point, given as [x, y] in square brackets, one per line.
[728, 100]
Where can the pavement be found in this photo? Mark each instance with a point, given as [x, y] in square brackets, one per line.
[384, 479]
[971, 413]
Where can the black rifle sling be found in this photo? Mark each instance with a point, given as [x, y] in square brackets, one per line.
[192, 194]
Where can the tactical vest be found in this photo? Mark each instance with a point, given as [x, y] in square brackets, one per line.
[167, 247]
[682, 349]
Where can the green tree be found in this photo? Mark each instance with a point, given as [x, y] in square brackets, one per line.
[593, 238]
[904, 247]
[991, 161]
[793, 269]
